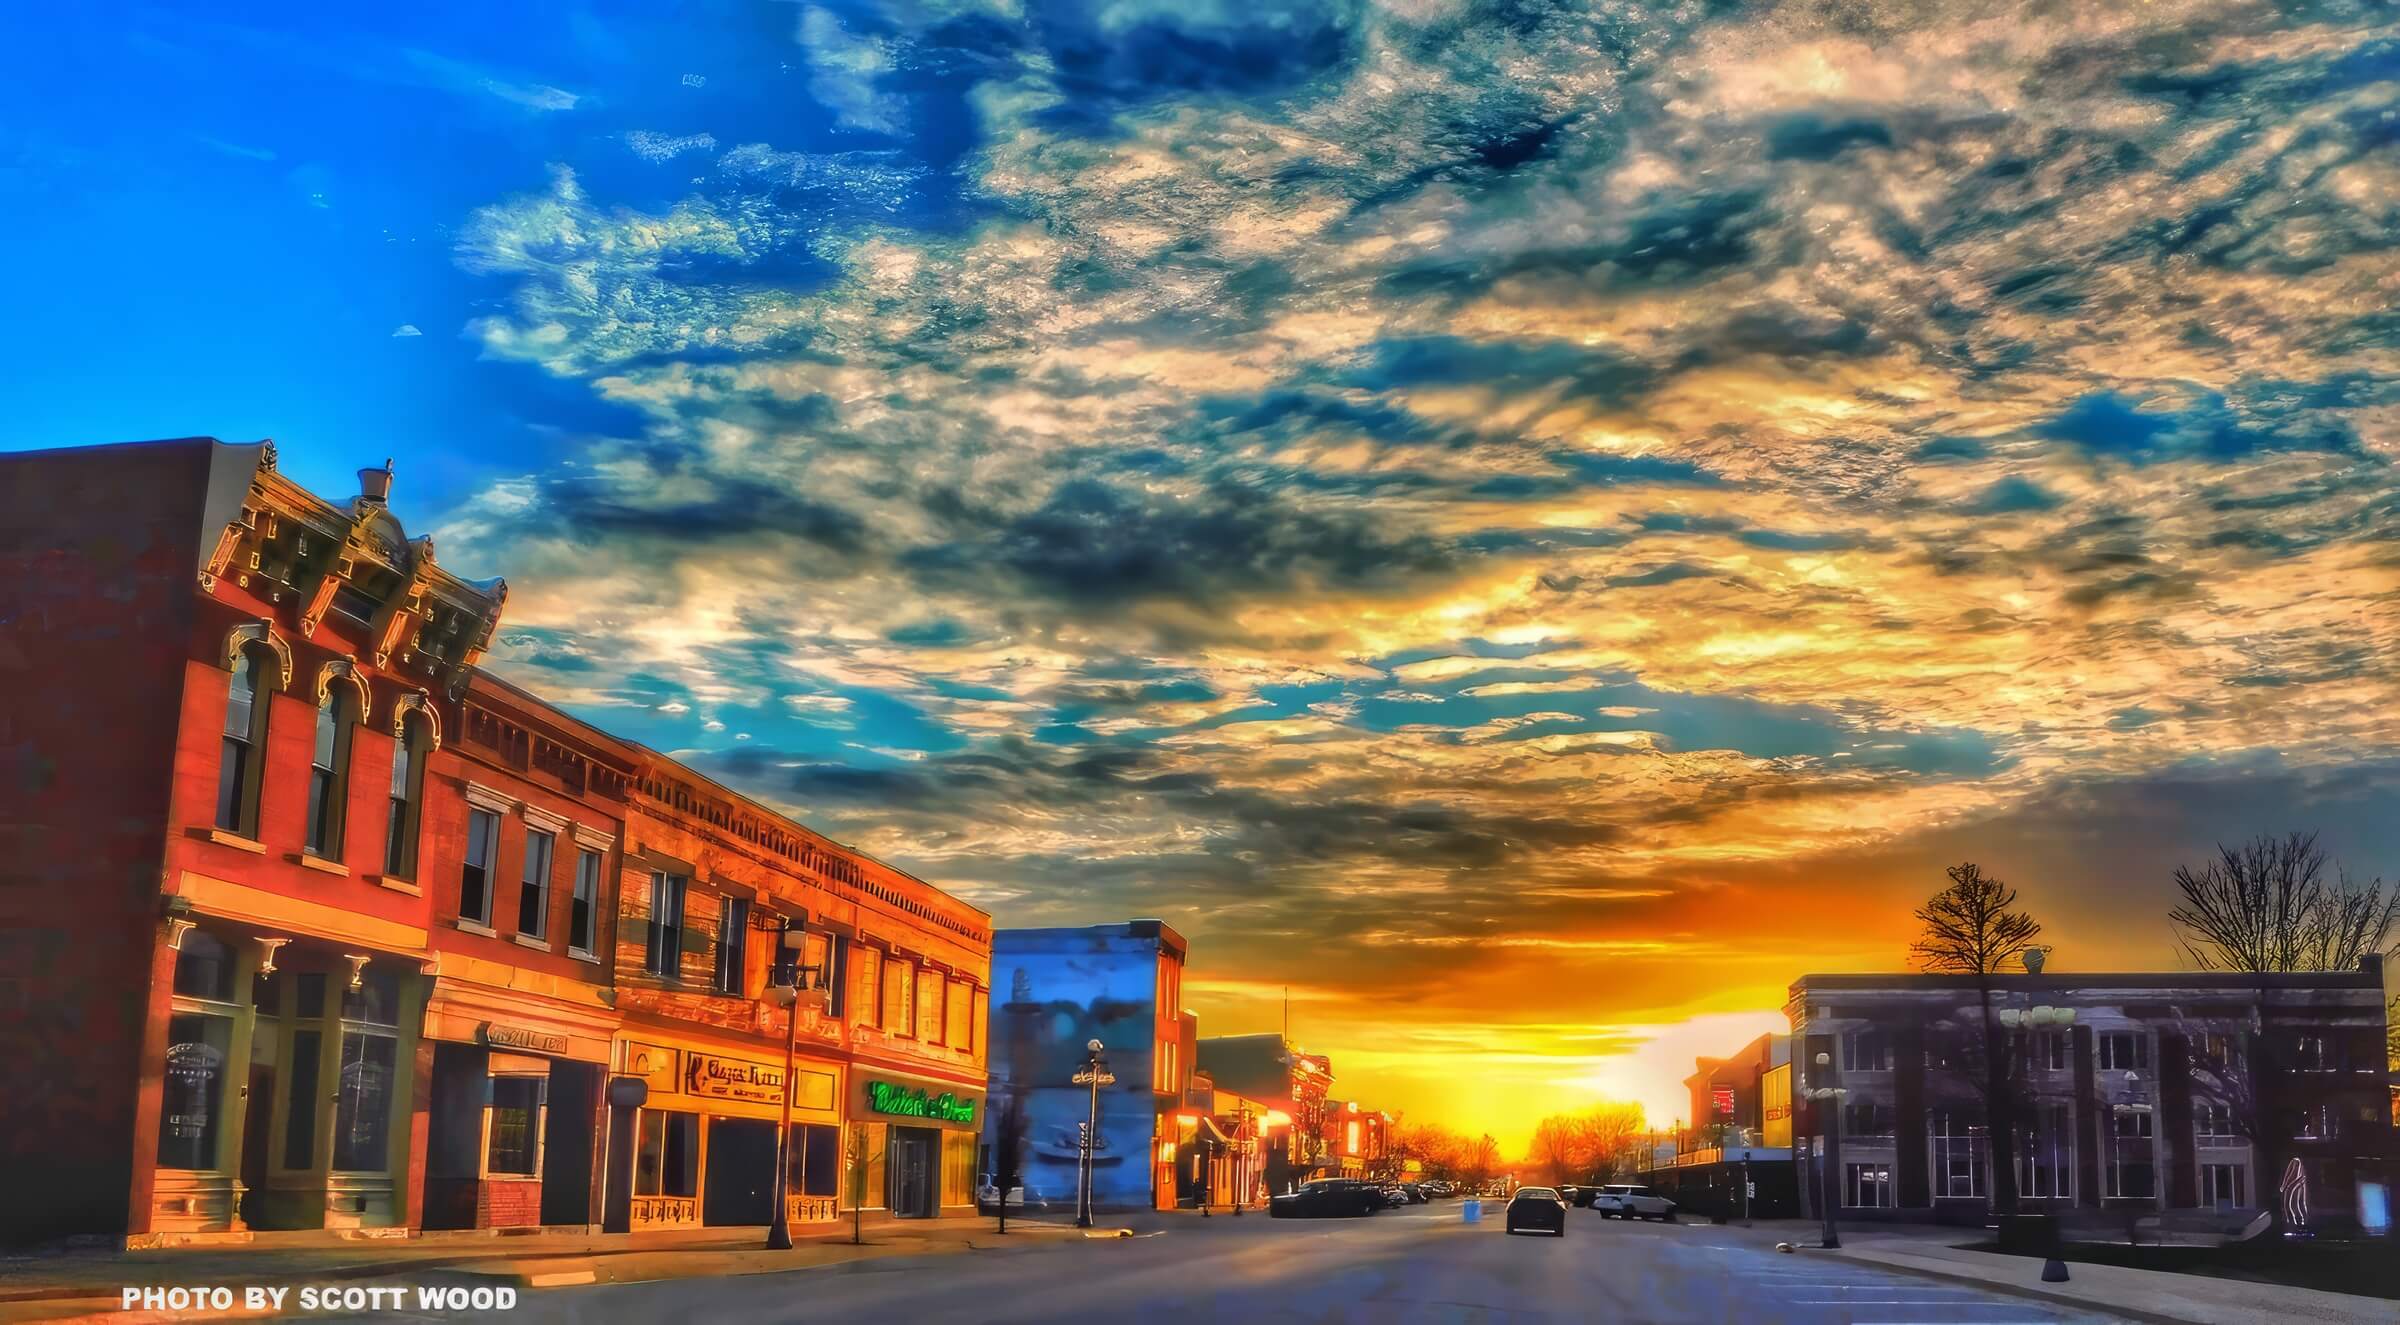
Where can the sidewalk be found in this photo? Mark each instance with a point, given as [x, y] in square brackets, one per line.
[2147, 1295]
[72, 1285]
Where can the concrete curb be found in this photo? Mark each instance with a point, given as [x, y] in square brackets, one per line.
[2009, 1288]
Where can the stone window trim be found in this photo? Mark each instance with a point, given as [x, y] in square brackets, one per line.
[536, 817]
[592, 839]
[484, 798]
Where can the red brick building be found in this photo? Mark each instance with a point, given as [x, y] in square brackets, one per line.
[308, 923]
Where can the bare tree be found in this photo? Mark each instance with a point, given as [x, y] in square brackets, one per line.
[1011, 1126]
[1969, 928]
[2266, 905]
[1972, 928]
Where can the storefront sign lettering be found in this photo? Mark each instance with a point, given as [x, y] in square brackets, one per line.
[518, 1037]
[732, 1079]
[907, 1102]
[192, 1071]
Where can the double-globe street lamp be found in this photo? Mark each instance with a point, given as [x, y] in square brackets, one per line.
[1828, 1101]
[792, 986]
[1095, 1074]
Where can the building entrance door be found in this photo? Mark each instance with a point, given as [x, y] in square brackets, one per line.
[736, 1188]
[913, 1152]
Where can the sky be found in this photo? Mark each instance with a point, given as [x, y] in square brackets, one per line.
[1529, 525]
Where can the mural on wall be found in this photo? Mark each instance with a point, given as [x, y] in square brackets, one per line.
[1057, 1002]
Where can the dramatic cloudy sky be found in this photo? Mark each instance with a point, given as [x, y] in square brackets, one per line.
[1529, 523]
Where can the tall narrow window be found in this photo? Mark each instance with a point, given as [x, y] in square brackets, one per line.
[899, 995]
[866, 975]
[475, 876]
[584, 912]
[338, 714]
[408, 789]
[533, 897]
[363, 1095]
[663, 956]
[733, 944]
[516, 1126]
[245, 737]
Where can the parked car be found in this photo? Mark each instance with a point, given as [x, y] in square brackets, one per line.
[1415, 1192]
[1394, 1195]
[987, 1198]
[1440, 1189]
[1627, 1201]
[1538, 1207]
[1327, 1198]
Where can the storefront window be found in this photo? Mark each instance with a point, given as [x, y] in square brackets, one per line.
[516, 1125]
[820, 1150]
[668, 1160]
[363, 1105]
[192, 1108]
[958, 1168]
[204, 968]
[376, 1000]
[1868, 1186]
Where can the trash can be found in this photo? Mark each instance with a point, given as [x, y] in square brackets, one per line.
[1471, 1210]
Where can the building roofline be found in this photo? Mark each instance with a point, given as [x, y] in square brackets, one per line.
[2074, 981]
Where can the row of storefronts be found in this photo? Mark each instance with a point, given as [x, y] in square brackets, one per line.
[398, 945]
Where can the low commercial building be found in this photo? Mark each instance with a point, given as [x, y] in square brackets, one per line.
[1735, 1160]
[314, 924]
[2137, 1094]
[1280, 1096]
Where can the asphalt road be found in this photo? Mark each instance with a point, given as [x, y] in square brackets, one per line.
[1421, 1264]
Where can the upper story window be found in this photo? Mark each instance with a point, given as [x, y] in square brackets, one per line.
[1866, 1051]
[929, 1006]
[2212, 1123]
[2124, 1051]
[413, 738]
[244, 742]
[533, 892]
[899, 995]
[475, 876]
[2053, 1050]
[957, 1030]
[2219, 1052]
[329, 769]
[662, 954]
[583, 912]
[866, 983]
[1864, 1119]
[733, 946]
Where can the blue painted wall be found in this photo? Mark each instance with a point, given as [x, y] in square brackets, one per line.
[1054, 990]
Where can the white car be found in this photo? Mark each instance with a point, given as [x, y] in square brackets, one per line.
[1626, 1201]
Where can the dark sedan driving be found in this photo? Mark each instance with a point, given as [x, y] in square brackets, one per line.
[1538, 1207]
[1328, 1198]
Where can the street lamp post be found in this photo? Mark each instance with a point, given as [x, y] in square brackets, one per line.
[1828, 1099]
[788, 985]
[1095, 1074]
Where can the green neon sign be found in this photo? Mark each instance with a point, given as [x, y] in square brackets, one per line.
[906, 1102]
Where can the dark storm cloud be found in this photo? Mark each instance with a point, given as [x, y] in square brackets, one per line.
[1096, 543]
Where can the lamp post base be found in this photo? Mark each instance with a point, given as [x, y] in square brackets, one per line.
[1832, 1241]
[779, 1236]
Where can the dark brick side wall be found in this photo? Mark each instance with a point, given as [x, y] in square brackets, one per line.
[99, 550]
[502, 1203]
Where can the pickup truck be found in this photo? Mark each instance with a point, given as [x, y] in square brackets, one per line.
[1625, 1201]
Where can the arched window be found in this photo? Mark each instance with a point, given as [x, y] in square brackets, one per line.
[245, 738]
[415, 738]
[329, 767]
